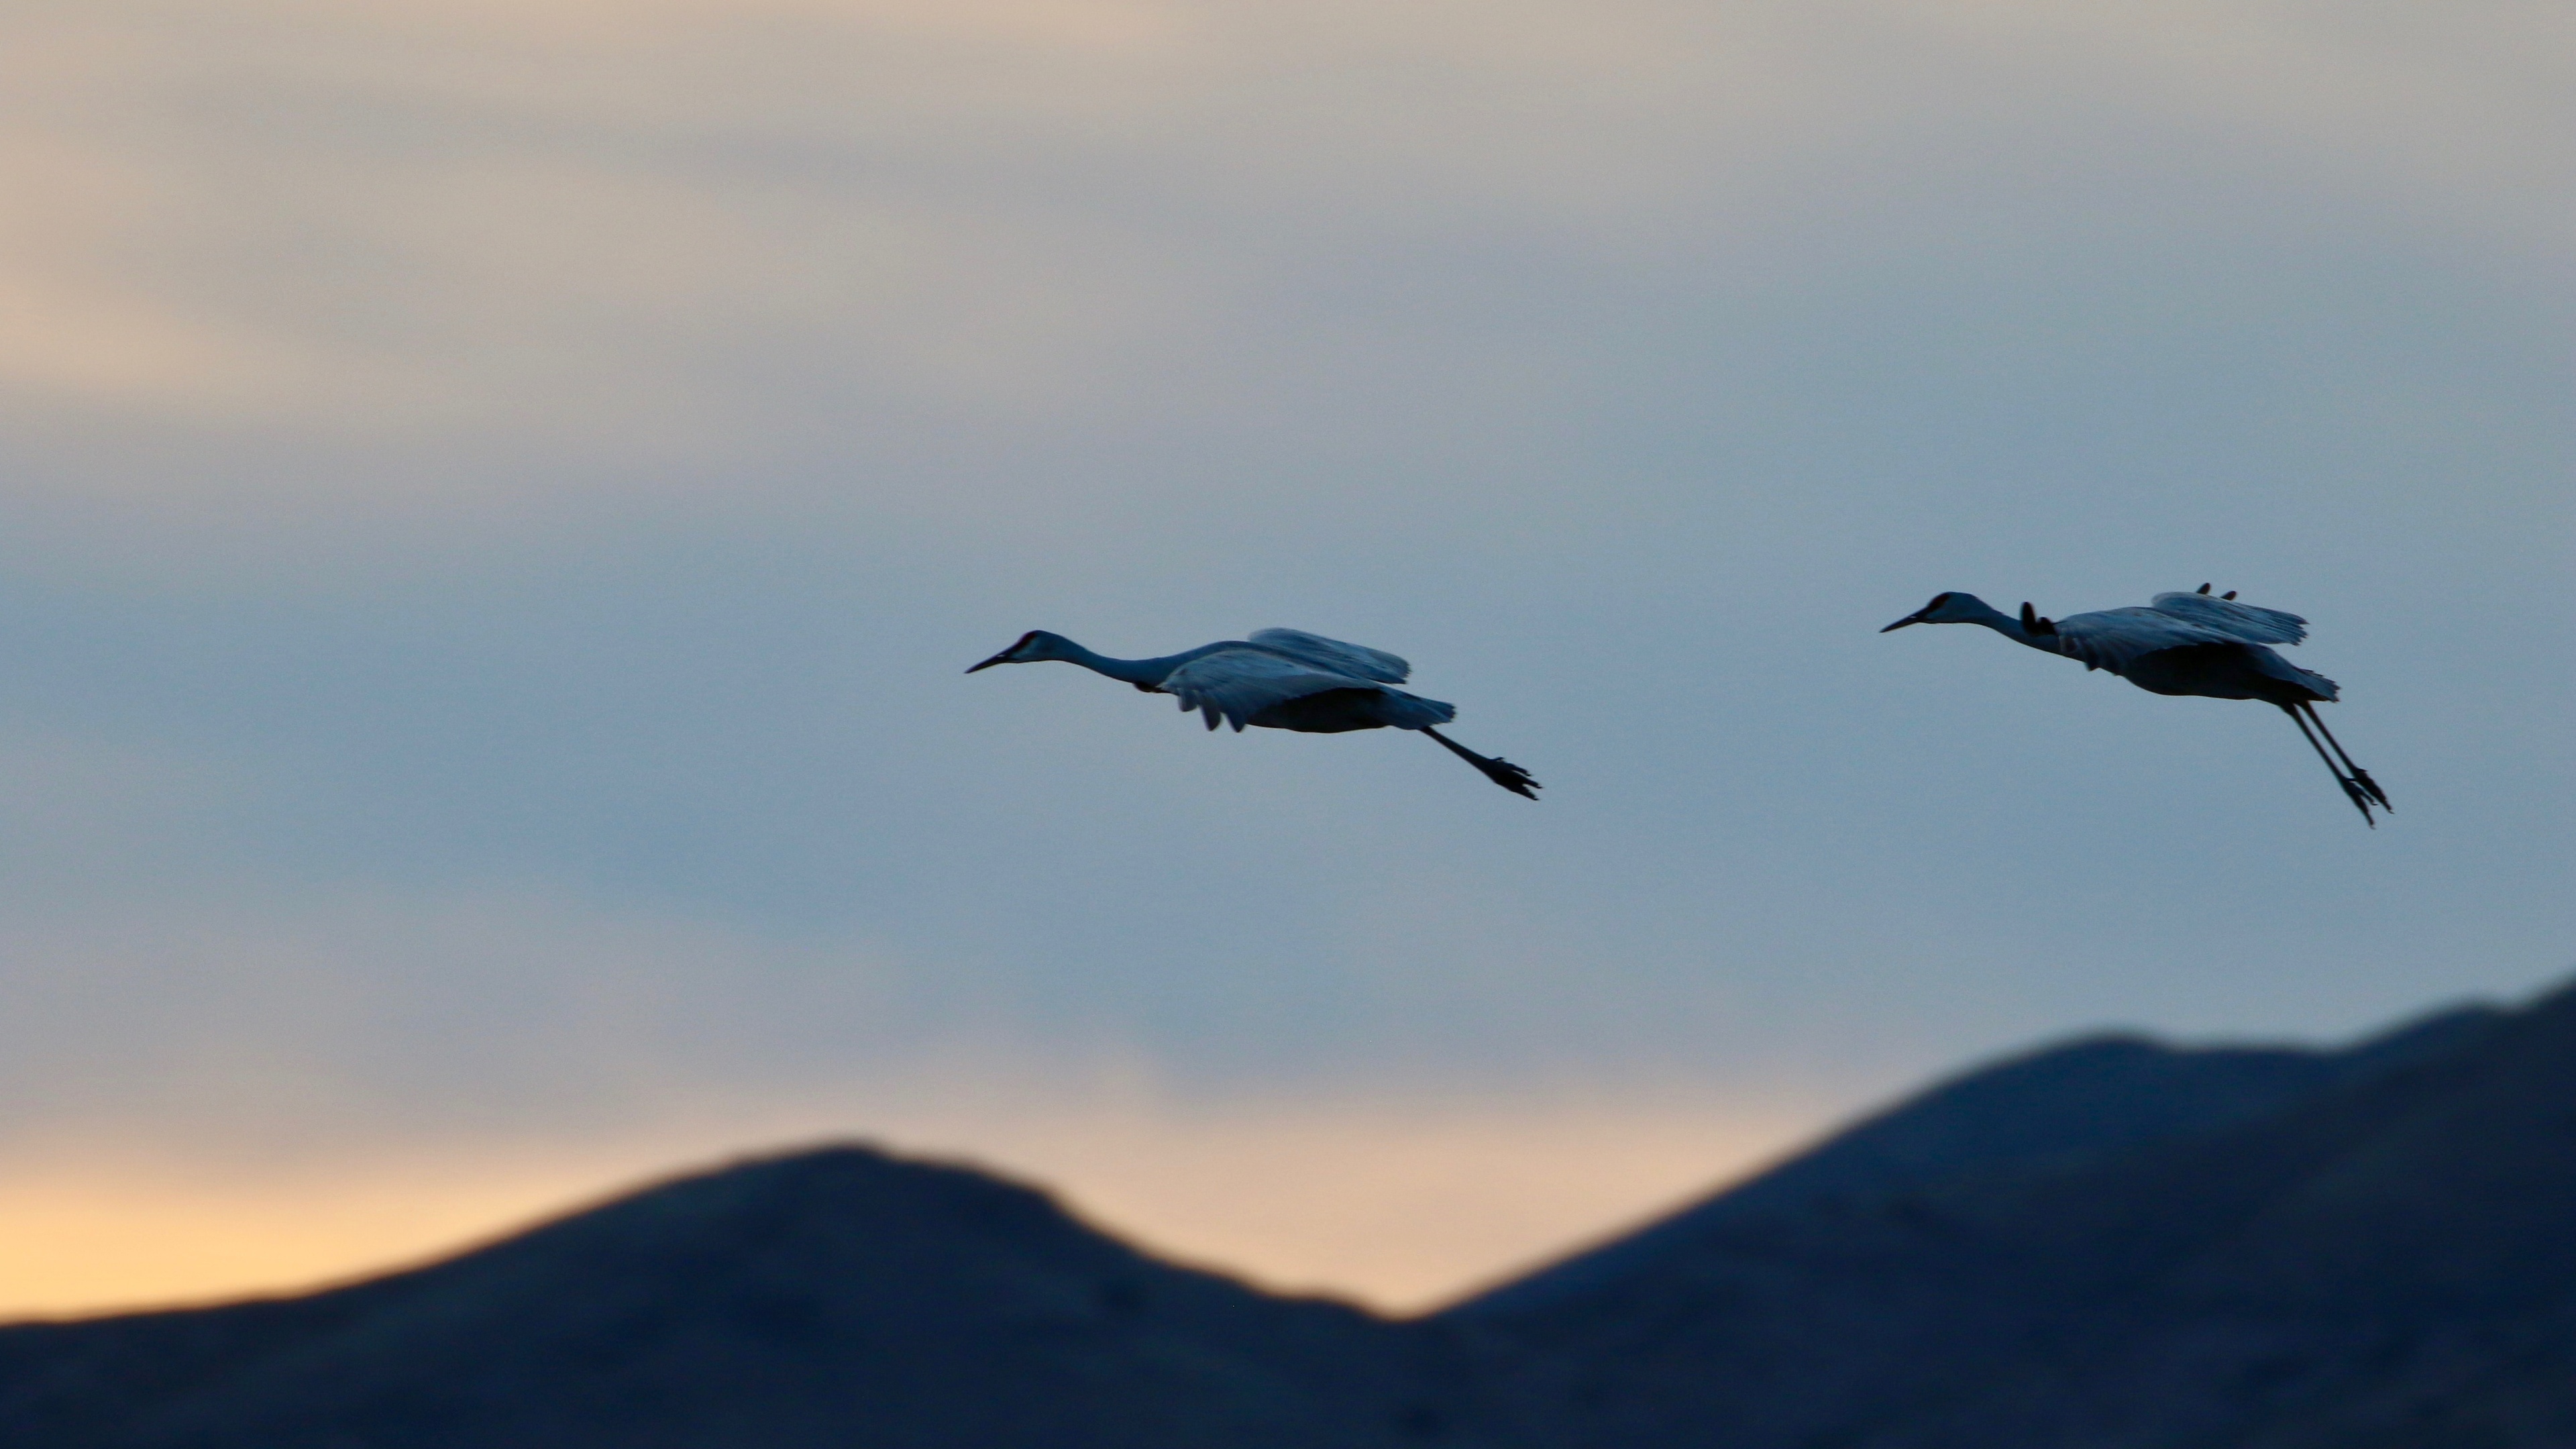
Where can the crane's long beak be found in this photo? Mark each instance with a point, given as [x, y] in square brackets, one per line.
[1002, 658]
[1901, 623]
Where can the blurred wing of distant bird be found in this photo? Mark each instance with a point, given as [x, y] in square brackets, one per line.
[1356, 660]
[1236, 684]
[2242, 622]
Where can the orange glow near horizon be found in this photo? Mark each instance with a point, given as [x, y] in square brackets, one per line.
[1397, 1209]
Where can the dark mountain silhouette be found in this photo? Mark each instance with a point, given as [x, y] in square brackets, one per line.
[2052, 1106]
[840, 1297]
[2382, 1258]
[2110, 1243]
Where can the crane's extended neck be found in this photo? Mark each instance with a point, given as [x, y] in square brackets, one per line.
[1957, 608]
[1143, 673]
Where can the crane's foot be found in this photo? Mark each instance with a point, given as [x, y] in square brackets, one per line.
[1495, 768]
[1510, 776]
[2362, 778]
[2360, 801]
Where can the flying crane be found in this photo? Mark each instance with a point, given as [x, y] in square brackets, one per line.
[1281, 679]
[2186, 644]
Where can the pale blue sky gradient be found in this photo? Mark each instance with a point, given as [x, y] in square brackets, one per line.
[501, 498]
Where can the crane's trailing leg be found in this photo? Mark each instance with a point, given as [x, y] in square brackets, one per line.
[2351, 790]
[1501, 771]
[2360, 776]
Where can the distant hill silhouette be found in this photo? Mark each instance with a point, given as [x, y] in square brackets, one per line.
[2111, 1243]
[2051, 1107]
[839, 1297]
[2385, 1256]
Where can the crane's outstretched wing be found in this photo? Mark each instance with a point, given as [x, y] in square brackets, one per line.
[2242, 622]
[2113, 639]
[2116, 639]
[1356, 660]
[1236, 684]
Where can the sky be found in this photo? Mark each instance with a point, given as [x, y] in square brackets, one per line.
[499, 498]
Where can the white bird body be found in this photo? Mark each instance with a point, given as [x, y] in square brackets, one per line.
[2193, 644]
[1292, 680]
[2181, 644]
[1284, 679]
